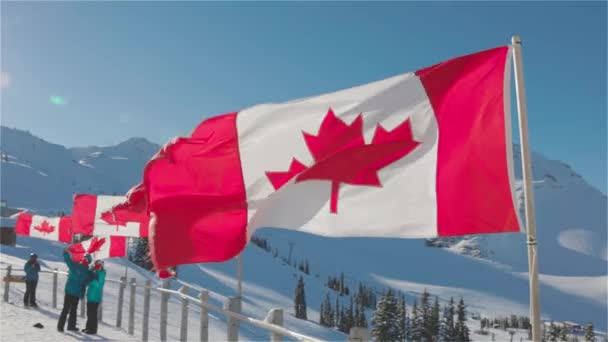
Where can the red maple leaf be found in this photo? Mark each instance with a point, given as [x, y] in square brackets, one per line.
[342, 156]
[110, 218]
[95, 245]
[45, 227]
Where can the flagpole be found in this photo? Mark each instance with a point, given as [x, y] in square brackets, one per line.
[239, 271]
[528, 188]
[127, 257]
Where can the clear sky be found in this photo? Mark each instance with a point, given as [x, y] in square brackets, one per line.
[81, 73]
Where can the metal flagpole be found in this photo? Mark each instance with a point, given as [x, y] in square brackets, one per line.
[528, 188]
[239, 271]
[126, 256]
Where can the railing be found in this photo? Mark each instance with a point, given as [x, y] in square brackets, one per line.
[273, 323]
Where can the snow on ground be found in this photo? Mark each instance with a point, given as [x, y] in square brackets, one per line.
[17, 325]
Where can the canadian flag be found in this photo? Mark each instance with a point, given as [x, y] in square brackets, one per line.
[49, 228]
[417, 155]
[99, 247]
[107, 216]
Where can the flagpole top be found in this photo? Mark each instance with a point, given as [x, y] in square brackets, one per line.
[515, 39]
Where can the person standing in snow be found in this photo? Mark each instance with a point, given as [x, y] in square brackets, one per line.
[78, 278]
[94, 296]
[31, 268]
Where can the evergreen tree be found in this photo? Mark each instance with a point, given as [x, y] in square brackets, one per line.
[416, 324]
[402, 316]
[425, 316]
[140, 252]
[385, 320]
[361, 319]
[300, 300]
[589, 333]
[553, 333]
[462, 331]
[346, 319]
[322, 319]
[563, 333]
[448, 331]
[434, 321]
[338, 311]
[341, 285]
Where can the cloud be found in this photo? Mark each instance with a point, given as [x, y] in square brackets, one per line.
[5, 79]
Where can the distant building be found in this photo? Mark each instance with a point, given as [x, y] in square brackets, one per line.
[8, 219]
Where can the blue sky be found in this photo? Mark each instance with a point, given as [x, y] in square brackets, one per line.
[80, 73]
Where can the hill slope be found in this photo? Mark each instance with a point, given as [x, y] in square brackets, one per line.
[571, 221]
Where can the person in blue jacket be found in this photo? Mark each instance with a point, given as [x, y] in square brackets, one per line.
[78, 277]
[31, 268]
[94, 296]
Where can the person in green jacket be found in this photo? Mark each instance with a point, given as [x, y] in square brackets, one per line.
[31, 268]
[78, 277]
[94, 296]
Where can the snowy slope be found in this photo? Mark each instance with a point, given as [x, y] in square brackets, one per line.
[571, 224]
[40, 175]
[267, 288]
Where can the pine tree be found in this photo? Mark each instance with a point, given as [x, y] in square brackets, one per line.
[563, 333]
[300, 300]
[589, 333]
[140, 252]
[341, 283]
[338, 312]
[402, 317]
[425, 316]
[434, 321]
[553, 333]
[462, 331]
[329, 313]
[322, 319]
[385, 319]
[416, 324]
[448, 331]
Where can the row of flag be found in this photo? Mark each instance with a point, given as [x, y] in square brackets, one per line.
[98, 217]
[418, 155]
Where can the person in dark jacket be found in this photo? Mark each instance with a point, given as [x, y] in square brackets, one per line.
[78, 277]
[31, 268]
[94, 296]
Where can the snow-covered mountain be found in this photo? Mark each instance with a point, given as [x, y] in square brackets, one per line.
[489, 271]
[41, 175]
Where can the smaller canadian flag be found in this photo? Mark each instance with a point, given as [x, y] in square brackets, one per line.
[49, 228]
[107, 216]
[99, 247]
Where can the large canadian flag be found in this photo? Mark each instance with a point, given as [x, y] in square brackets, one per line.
[99, 247]
[49, 228]
[107, 216]
[417, 155]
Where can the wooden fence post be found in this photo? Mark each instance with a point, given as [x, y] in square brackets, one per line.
[144, 333]
[121, 295]
[55, 288]
[132, 307]
[234, 305]
[183, 331]
[275, 316]
[358, 334]
[7, 284]
[164, 304]
[204, 330]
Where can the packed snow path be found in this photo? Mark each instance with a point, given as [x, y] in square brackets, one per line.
[18, 325]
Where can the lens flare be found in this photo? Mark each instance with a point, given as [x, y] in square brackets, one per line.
[57, 100]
